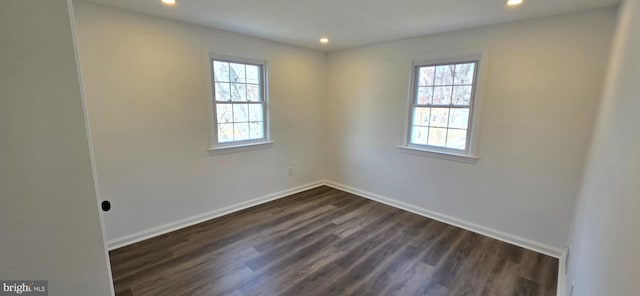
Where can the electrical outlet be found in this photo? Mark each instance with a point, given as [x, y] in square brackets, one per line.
[290, 171]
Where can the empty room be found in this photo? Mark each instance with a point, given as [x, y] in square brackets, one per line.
[190, 147]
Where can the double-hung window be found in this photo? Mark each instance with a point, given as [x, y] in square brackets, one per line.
[442, 106]
[239, 102]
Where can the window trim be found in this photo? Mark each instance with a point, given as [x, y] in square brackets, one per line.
[469, 154]
[243, 145]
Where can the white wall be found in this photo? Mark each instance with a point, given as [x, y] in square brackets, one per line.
[605, 242]
[147, 88]
[49, 223]
[148, 92]
[539, 99]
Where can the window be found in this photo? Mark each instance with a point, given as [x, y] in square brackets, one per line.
[442, 107]
[239, 102]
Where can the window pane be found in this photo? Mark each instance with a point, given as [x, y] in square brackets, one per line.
[464, 73]
[444, 75]
[442, 95]
[421, 116]
[447, 91]
[222, 91]
[241, 131]
[225, 114]
[419, 135]
[426, 76]
[439, 117]
[256, 130]
[437, 136]
[462, 95]
[238, 92]
[424, 95]
[240, 112]
[237, 73]
[239, 101]
[457, 139]
[459, 118]
[225, 132]
[253, 74]
[255, 112]
[220, 71]
[253, 92]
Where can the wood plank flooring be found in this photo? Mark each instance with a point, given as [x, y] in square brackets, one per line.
[327, 242]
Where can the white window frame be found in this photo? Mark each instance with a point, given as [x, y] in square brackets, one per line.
[469, 154]
[242, 145]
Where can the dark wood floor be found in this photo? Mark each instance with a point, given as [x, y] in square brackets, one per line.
[328, 242]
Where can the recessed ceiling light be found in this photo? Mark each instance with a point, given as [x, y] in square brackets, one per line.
[324, 40]
[514, 2]
[169, 2]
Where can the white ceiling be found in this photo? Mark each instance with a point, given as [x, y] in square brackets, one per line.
[349, 23]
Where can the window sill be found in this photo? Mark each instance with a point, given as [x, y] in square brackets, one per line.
[240, 147]
[439, 154]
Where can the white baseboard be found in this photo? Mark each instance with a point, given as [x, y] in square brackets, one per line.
[562, 274]
[162, 229]
[486, 231]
